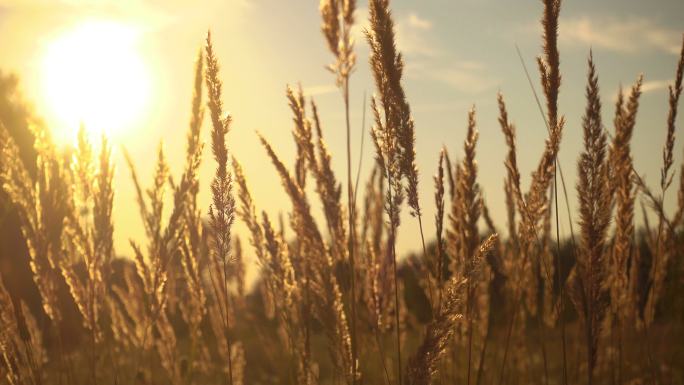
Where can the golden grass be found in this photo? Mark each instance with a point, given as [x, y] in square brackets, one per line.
[333, 304]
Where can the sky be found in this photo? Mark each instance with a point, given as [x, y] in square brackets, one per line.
[458, 54]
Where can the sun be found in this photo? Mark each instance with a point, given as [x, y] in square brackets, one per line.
[95, 75]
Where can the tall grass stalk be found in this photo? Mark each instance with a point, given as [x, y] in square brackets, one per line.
[221, 212]
[338, 20]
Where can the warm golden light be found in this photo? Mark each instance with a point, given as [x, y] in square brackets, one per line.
[94, 74]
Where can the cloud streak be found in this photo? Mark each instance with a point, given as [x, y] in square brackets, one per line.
[426, 58]
[418, 22]
[468, 77]
[654, 85]
[317, 90]
[414, 36]
[623, 36]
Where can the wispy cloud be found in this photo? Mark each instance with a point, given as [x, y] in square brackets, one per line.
[625, 36]
[412, 32]
[427, 59]
[414, 36]
[418, 22]
[654, 85]
[321, 89]
[361, 24]
[468, 77]
[646, 88]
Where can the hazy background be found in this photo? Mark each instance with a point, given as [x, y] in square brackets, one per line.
[457, 53]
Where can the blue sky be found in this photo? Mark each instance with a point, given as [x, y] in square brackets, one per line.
[458, 54]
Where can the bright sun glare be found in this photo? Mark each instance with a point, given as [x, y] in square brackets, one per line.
[94, 74]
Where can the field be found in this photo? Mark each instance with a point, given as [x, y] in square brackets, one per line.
[334, 301]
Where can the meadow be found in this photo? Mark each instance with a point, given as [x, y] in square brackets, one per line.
[335, 303]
